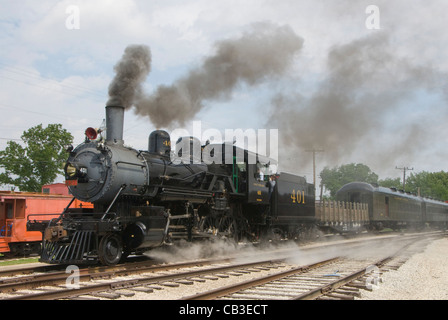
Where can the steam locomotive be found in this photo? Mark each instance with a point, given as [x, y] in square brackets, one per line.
[143, 199]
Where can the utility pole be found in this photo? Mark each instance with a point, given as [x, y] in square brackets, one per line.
[314, 151]
[404, 174]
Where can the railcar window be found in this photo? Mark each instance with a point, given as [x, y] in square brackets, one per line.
[9, 211]
[263, 172]
[386, 203]
[365, 198]
[241, 167]
[354, 197]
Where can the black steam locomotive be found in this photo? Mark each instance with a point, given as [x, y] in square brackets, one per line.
[143, 199]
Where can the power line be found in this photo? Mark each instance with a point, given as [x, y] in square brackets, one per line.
[28, 74]
[52, 115]
[59, 90]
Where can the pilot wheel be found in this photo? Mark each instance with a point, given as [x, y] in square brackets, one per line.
[110, 249]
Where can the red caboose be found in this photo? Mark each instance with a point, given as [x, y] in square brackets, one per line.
[15, 207]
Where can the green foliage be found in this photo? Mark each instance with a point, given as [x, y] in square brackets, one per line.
[37, 163]
[431, 184]
[334, 179]
[428, 184]
[391, 183]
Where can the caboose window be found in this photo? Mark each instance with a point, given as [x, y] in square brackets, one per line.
[9, 210]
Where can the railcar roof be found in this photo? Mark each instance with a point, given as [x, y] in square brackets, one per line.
[25, 195]
[360, 186]
[364, 186]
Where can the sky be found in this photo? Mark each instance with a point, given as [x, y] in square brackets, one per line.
[364, 84]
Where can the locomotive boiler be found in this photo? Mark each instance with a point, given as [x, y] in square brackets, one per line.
[100, 172]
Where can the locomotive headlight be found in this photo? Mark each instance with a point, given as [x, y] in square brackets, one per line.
[70, 171]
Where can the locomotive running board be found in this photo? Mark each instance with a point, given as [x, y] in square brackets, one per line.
[169, 194]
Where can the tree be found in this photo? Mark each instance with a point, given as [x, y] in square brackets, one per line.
[429, 184]
[334, 179]
[39, 161]
[391, 183]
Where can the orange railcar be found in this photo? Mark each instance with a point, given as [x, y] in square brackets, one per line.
[15, 207]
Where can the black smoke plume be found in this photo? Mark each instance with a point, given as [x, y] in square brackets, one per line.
[265, 51]
[131, 71]
[358, 104]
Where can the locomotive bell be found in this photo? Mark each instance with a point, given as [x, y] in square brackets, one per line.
[91, 133]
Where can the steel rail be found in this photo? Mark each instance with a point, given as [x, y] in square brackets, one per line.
[50, 267]
[312, 294]
[220, 292]
[73, 292]
[88, 274]
[104, 272]
[325, 289]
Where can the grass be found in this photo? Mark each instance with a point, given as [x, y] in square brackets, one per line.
[18, 261]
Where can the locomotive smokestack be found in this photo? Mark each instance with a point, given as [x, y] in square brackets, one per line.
[131, 71]
[114, 124]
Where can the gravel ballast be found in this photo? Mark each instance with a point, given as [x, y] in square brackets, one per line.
[423, 277]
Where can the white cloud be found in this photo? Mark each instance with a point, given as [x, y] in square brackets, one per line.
[58, 62]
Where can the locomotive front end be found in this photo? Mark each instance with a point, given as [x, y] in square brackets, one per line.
[111, 176]
[87, 171]
[97, 171]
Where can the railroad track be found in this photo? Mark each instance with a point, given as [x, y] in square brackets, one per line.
[133, 280]
[302, 283]
[333, 279]
[111, 288]
[59, 276]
